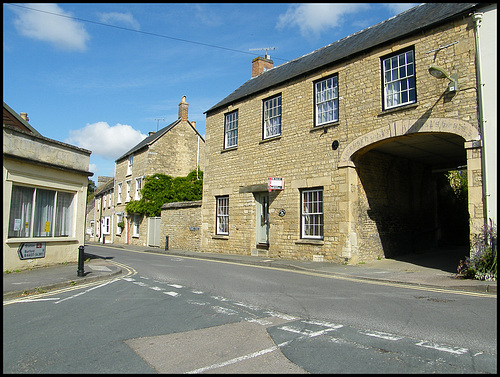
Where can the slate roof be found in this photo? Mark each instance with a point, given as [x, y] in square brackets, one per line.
[150, 139]
[398, 27]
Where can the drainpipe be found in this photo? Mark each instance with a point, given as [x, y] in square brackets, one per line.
[477, 17]
[198, 158]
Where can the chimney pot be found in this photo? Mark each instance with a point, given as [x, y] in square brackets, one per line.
[183, 109]
[151, 133]
[261, 64]
[24, 116]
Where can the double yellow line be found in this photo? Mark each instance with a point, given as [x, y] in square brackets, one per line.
[129, 271]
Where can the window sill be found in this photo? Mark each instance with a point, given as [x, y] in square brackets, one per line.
[305, 241]
[396, 109]
[324, 127]
[270, 139]
[228, 149]
[220, 237]
[41, 239]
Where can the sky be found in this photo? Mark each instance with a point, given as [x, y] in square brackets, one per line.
[101, 76]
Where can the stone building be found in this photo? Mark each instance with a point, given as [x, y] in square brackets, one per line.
[175, 150]
[335, 155]
[44, 195]
[100, 225]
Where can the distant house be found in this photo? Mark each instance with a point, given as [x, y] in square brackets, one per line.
[44, 195]
[174, 150]
[336, 155]
[100, 212]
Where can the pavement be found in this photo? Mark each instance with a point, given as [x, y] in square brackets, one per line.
[425, 270]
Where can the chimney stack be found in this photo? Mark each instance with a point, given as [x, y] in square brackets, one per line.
[151, 133]
[25, 116]
[261, 64]
[183, 109]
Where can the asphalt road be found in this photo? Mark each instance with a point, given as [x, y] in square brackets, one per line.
[182, 315]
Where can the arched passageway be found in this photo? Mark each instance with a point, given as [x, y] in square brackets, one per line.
[401, 205]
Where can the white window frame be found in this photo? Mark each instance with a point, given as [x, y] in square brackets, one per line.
[127, 197]
[326, 97]
[398, 73]
[231, 129]
[222, 215]
[103, 201]
[60, 218]
[136, 225]
[272, 117]
[312, 215]
[106, 225]
[138, 184]
[119, 219]
[130, 164]
[119, 198]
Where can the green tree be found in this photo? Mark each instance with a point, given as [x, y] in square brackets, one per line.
[90, 190]
[161, 188]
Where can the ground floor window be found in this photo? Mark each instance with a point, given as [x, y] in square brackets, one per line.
[136, 224]
[119, 223]
[36, 212]
[222, 226]
[312, 213]
[106, 225]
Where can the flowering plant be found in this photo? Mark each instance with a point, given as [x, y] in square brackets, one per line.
[482, 264]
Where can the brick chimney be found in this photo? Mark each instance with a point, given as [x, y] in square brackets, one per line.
[261, 64]
[24, 116]
[183, 109]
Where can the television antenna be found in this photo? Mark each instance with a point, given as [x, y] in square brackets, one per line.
[265, 49]
[158, 121]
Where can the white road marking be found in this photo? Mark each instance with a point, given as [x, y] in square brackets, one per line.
[197, 292]
[40, 299]
[221, 310]
[306, 332]
[440, 347]
[326, 324]
[175, 286]
[173, 294]
[156, 288]
[381, 335]
[86, 291]
[238, 359]
[128, 279]
[140, 283]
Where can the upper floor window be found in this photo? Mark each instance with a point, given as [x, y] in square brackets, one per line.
[138, 183]
[272, 117]
[399, 80]
[222, 226]
[312, 213]
[231, 130]
[130, 163]
[119, 199]
[104, 201]
[35, 212]
[327, 100]
[127, 198]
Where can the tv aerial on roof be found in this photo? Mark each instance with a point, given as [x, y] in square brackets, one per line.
[265, 49]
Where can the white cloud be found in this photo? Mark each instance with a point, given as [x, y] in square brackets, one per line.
[106, 141]
[121, 18]
[314, 19]
[62, 32]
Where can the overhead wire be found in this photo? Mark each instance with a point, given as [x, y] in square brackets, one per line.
[139, 31]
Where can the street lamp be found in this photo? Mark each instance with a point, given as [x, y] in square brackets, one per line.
[440, 73]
